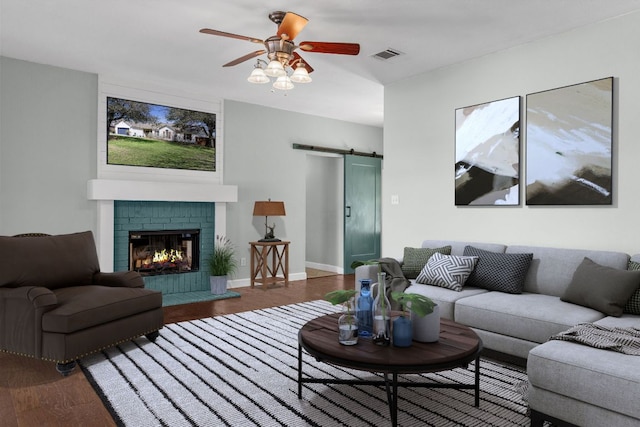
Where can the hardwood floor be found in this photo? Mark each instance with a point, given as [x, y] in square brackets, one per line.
[33, 394]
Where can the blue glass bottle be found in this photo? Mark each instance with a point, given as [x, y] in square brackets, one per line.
[363, 309]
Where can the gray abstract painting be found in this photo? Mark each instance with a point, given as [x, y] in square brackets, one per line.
[569, 141]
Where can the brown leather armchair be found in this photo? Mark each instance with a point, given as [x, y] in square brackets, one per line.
[56, 305]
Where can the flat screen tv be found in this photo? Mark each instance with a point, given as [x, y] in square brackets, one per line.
[158, 136]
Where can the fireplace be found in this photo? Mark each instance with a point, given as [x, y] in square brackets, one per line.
[141, 217]
[158, 252]
[125, 205]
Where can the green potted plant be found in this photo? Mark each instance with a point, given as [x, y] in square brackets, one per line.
[222, 263]
[423, 324]
[347, 323]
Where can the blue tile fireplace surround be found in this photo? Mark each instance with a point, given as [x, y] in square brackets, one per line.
[156, 216]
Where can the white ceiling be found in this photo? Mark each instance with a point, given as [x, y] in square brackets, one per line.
[158, 41]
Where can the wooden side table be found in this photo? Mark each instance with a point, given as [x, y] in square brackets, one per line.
[265, 272]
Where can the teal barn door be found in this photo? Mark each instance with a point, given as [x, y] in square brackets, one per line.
[362, 195]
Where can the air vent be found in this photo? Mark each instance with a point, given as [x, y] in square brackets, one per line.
[387, 54]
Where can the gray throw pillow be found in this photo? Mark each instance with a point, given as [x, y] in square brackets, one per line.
[633, 305]
[415, 259]
[499, 271]
[447, 271]
[602, 288]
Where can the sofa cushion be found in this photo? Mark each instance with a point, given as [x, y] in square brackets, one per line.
[552, 269]
[498, 271]
[633, 305]
[602, 288]
[448, 271]
[415, 259]
[624, 321]
[49, 261]
[531, 317]
[81, 307]
[597, 377]
[445, 298]
[457, 247]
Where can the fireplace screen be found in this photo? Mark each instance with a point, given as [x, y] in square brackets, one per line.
[164, 251]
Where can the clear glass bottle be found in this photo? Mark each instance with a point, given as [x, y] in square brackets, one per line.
[364, 305]
[348, 326]
[381, 313]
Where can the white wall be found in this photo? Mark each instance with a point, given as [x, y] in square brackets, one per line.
[48, 144]
[260, 160]
[419, 148]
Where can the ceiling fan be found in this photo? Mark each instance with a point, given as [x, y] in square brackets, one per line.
[280, 51]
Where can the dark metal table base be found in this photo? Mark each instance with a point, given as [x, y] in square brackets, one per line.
[391, 385]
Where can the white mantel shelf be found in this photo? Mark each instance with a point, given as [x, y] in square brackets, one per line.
[115, 189]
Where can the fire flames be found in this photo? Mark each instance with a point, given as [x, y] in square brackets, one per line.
[165, 260]
[163, 256]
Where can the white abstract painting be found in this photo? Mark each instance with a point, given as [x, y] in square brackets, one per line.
[487, 165]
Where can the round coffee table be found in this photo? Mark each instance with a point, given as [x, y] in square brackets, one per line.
[457, 347]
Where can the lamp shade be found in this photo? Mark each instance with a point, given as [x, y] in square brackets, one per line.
[258, 76]
[301, 75]
[275, 69]
[269, 208]
[283, 83]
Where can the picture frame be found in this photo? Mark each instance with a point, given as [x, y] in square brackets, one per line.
[569, 136]
[182, 99]
[487, 153]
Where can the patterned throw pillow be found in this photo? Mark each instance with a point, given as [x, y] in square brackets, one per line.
[499, 271]
[415, 259]
[633, 305]
[447, 271]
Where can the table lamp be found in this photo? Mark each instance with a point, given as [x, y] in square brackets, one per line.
[267, 209]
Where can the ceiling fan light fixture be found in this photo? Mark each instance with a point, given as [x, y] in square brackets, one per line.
[283, 64]
[275, 69]
[300, 75]
[283, 83]
[258, 76]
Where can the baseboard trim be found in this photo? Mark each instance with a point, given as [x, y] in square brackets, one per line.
[325, 267]
[240, 283]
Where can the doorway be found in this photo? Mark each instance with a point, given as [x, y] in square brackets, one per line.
[324, 200]
[334, 240]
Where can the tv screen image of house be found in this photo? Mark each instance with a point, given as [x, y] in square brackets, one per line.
[158, 136]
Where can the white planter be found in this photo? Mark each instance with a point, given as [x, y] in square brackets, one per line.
[218, 284]
[427, 328]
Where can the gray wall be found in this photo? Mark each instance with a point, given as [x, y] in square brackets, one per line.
[419, 140]
[260, 160]
[47, 148]
[48, 152]
[325, 218]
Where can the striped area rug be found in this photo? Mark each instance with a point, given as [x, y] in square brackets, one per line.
[241, 370]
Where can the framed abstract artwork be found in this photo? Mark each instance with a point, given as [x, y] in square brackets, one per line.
[569, 142]
[487, 158]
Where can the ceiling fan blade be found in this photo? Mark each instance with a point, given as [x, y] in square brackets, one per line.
[296, 57]
[233, 36]
[245, 58]
[291, 25]
[329, 47]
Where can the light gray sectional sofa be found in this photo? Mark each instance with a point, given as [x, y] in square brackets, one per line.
[569, 383]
